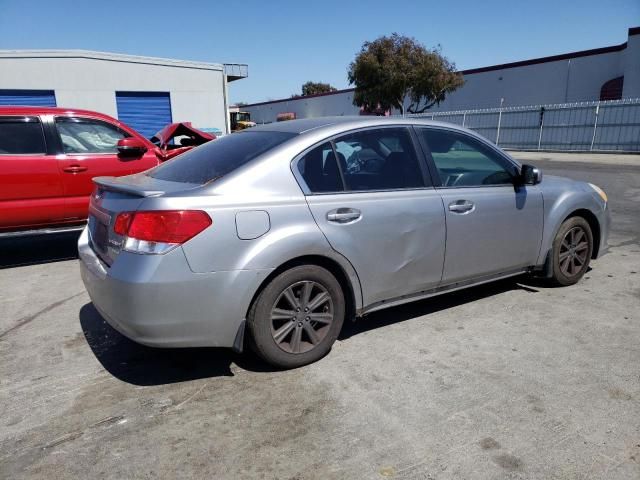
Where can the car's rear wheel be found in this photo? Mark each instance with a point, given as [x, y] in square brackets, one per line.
[572, 249]
[297, 317]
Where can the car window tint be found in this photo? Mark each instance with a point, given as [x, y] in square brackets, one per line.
[88, 136]
[463, 161]
[379, 159]
[218, 157]
[21, 135]
[319, 170]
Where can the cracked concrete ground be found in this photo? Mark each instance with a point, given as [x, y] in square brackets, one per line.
[507, 380]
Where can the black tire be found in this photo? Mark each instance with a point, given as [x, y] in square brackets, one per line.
[571, 254]
[274, 315]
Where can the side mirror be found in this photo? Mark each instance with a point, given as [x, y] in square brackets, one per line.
[131, 147]
[530, 175]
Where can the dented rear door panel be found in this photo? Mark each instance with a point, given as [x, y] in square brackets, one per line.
[397, 243]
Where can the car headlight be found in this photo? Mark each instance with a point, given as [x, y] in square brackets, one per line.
[600, 192]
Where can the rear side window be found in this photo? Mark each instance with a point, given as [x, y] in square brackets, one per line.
[21, 136]
[218, 157]
[319, 170]
[81, 135]
[379, 159]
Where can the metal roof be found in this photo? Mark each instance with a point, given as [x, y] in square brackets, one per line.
[237, 70]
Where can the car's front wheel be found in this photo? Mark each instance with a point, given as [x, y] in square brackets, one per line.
[297, 317]
[572, 249]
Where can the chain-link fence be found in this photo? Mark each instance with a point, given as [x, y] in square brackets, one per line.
[586, 126]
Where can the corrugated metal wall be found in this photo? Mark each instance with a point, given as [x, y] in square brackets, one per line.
[146, 112]
[31, 98]
[587, 126]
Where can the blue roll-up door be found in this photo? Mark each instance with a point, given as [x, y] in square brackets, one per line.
[30, 98]
[146, 112]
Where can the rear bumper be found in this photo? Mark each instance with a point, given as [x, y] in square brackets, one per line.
[156, 300]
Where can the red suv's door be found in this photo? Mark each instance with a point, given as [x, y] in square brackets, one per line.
[30, 185]
[89, 147]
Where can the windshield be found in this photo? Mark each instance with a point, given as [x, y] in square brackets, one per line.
[244, 117]
[218, 157]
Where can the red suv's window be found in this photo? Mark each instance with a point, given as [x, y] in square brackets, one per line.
[83, 135]
[21, 136]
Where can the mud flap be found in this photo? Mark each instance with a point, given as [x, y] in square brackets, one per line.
[238, 343]
[547, 268]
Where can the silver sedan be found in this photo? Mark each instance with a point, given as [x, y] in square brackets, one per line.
[274, 236]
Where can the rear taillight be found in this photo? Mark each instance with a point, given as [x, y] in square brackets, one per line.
[159, 231]
[121, 226]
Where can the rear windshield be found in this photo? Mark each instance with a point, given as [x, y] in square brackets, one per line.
[218, 157]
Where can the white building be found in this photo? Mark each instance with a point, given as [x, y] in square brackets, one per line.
[146, 93]
[606, 73]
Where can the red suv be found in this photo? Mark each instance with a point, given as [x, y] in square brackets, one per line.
[48, 157]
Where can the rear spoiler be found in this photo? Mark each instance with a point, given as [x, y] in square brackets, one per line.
[138, 185]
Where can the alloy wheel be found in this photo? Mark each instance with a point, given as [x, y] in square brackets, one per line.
[301, 316]
[573, 251]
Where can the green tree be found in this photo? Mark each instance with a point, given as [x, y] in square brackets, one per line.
[313, 88]
[395, 68]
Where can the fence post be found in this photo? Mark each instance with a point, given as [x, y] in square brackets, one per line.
[499, 121]
[595, 126]
[541, 125]
[464, 118]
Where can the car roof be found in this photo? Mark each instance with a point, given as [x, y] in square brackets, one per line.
[317, 125]
[26, 110]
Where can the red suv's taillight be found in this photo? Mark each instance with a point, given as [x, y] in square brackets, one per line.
[158, 231]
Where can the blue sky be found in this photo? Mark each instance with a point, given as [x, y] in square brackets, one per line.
[287, 43]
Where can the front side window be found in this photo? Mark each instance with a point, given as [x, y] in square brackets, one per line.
[218, 157]
[463, 161]
[21, 136]
[379, 159]
[88, 136]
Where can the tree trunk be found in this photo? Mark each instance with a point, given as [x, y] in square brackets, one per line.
[414, 108]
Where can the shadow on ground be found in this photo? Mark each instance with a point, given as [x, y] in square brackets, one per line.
[431, 305]
[140, 365]
[21, 251]
[144, 366]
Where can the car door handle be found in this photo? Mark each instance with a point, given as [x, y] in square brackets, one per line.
[344, 215]
[74, 169]
[461, 206]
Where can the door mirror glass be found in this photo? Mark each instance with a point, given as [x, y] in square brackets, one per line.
[530, 175]
[131, 147]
